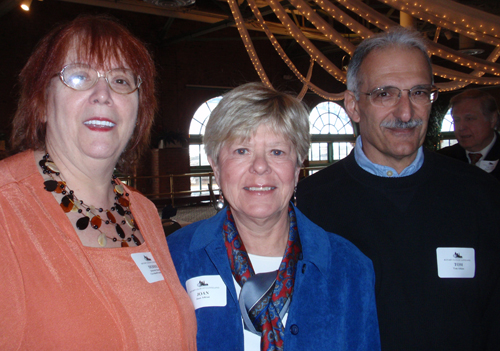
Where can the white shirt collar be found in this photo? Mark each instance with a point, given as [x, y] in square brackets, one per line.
[484, 151]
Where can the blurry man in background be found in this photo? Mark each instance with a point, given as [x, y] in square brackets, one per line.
[475, 115]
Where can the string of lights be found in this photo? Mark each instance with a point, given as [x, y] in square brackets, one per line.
[453, 16]
[446, 15]
[233, 5]
[304, 80]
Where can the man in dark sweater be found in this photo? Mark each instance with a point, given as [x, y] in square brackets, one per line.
[475, 115]
[430, 224]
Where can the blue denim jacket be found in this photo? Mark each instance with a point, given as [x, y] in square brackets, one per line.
[333, 304]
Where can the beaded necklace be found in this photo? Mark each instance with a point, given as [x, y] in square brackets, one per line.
[90, 214]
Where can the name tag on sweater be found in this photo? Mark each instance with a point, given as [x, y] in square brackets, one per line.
[456, 262]
[207, 291]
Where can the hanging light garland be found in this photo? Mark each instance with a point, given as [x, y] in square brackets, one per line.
[343, 18]
[460, 79]
[248, 43]
[456, 85]
[461, 19]
[305, 43]
[304, 80]
[445, 14]
[464, 59]
[334, 36]
[305, 87]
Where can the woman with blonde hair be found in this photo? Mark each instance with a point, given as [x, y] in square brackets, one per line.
[260, 274]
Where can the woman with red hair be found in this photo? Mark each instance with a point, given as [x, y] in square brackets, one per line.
[85, 264]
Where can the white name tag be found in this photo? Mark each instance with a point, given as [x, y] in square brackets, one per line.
[147, 266]
[456, 262]
[207, 291]
[487, 166]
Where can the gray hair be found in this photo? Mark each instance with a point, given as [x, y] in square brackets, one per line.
[242, 110]
[397, 37]
[488, 104]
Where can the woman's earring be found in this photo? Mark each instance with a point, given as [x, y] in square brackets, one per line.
[220, 202]
[295, 196]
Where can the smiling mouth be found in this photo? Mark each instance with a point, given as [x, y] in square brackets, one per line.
[99, 124]
[403, 132]
[260, 188]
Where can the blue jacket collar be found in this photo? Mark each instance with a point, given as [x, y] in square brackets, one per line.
[208, 235]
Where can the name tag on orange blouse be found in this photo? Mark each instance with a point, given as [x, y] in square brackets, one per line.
[148, 266]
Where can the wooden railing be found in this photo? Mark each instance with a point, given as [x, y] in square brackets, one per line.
[174, 196]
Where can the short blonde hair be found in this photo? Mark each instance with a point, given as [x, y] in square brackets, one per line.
[242, 110]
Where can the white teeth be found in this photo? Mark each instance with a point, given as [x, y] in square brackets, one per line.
[260, 188]
[100, 123]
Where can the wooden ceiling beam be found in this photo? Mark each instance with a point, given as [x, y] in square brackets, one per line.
[191, 14]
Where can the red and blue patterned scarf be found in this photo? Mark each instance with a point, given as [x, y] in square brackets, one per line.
[266, 317]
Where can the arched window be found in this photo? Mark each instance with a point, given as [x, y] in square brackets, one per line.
[332, 134]
[197, 129]
[198, 158]
[447, 131]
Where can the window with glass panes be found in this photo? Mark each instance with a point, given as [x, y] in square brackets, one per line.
[332, 134]
[447, 131]
[197, 155]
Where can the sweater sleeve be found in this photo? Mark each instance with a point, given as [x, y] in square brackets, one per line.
[12, 317]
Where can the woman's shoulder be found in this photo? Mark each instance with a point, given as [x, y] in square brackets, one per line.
[17, 167]
[197, 235]
[327, 247]
[136, 193]
[184, 234]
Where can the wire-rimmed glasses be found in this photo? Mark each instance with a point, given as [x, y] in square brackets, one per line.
[80, 76]
[389, 96]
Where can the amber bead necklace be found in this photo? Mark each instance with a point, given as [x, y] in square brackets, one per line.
[90, 214]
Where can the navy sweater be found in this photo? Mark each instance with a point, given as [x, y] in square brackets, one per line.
[399, 223]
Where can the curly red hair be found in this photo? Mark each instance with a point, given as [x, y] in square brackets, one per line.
[100, 40]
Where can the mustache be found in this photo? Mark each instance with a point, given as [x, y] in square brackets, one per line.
[399, 124]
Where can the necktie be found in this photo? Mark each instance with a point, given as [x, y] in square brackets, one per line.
[474, 157]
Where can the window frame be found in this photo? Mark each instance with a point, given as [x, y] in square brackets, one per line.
[332, 140]
[447, 137]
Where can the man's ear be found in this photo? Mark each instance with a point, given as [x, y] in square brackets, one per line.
[351, 105]
[494, 121]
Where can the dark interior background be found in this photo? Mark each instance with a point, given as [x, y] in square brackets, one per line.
[190, 70]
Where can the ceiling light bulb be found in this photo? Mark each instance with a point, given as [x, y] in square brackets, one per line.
[26, 4]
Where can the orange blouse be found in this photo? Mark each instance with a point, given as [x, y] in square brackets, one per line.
[57, 294]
